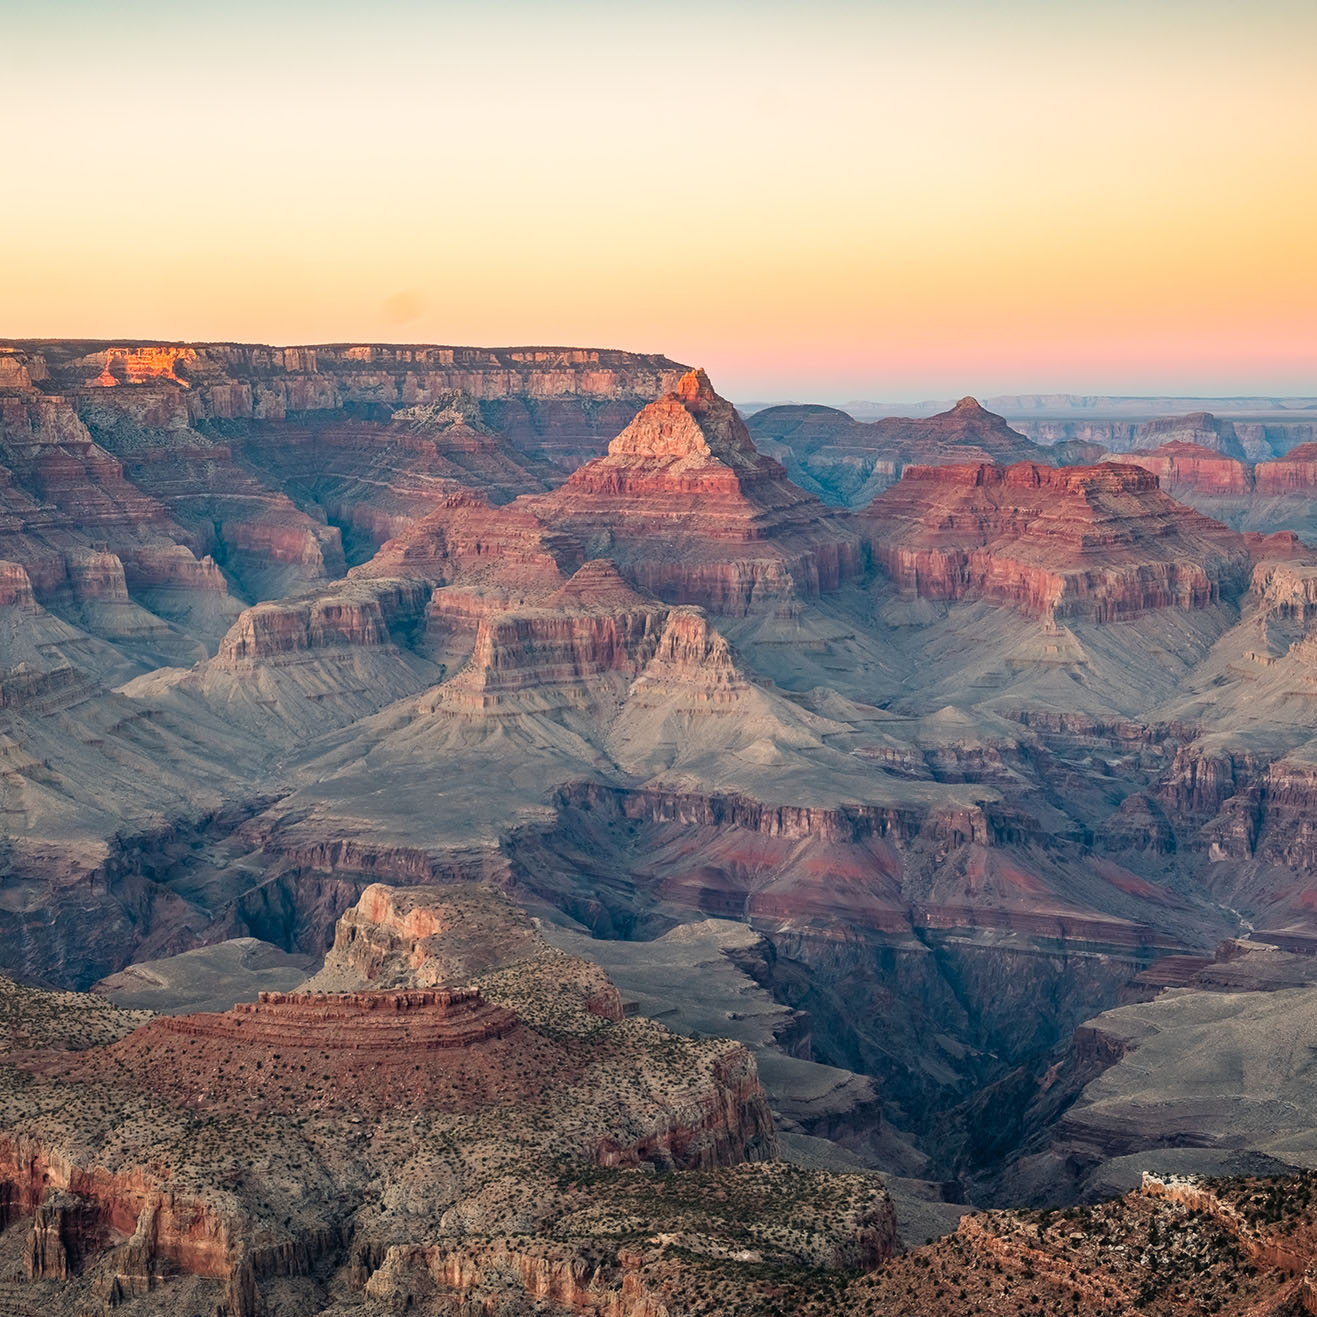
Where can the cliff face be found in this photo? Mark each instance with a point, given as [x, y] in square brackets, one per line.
[428, 936]
[363, 615]
[511, 550]
[1188, 468]
[396, 1143]
[1100, 542]
[84, 532]
[1275, 495]
[959, 831]
[563, 402]
[148, 451]
[683, 505]
[1295, 472]
[1200, 429]
[690, 511]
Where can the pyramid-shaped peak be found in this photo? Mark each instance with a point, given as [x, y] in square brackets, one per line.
[693, 422]
[969, 405]
[596, 584]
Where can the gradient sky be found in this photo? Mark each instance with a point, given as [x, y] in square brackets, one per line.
[824, 200]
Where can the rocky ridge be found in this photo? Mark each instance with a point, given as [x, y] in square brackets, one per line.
[202, 1179]
[850, 462]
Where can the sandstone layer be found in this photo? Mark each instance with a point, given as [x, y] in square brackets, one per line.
[1103, 542]
[236, 1162]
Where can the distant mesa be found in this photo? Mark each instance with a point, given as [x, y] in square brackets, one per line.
[848, 461]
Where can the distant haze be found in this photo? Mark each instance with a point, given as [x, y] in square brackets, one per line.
[835, 201]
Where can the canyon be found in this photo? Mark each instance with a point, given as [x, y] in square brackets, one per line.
[460, 1139]
[913, 772]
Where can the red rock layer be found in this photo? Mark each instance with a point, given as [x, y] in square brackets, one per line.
[1295, 472]
[1098, 542]
[1185, 468]
[555, 654]
[690, 511]
[184, 1231]
[63, 498]
[562, 402]
[421, 1020]
[467, 540]
[431, 1050]
[376, 478]
[857, 869]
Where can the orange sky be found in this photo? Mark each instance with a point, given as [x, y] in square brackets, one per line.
[828, 201]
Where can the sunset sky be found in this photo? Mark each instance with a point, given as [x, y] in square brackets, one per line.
[829, 200]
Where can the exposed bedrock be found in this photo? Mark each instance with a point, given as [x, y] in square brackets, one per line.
[365, 614]
[687, 509]
[558, 403]
[345, 1136]
[1201, 429]
[848, 461]
[1100, 543]
[1214, 483]
[465, 540]
[86, 533]
[895, 930]
[1296, 472]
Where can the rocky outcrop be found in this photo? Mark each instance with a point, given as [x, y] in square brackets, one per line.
[422, 1020]
[688, 510]
[365, 614]
[341, 1134]
[512, 550]
[1202, 777]
[1190, 469]
[595, 631]
[1296, 472]
[850, 462]
[84, 532]
[1093, 542]
[442, 935]
[408, 1276]
[683, 505]
[73, 1208]
[562, 402]
[1239, 1244]
[779, 1222]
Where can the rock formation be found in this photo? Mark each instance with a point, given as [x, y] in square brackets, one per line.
[1010, 748]
[1200, 429]
[690, 511]
[850, 462]
[1241, 1245]
[421, 1147]
[1102, 542]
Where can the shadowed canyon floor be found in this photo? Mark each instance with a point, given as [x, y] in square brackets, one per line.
[967, 811]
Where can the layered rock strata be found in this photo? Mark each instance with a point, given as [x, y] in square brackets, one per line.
[264, 1152]
[850, 462]
[1094, 542]
[690, 511]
